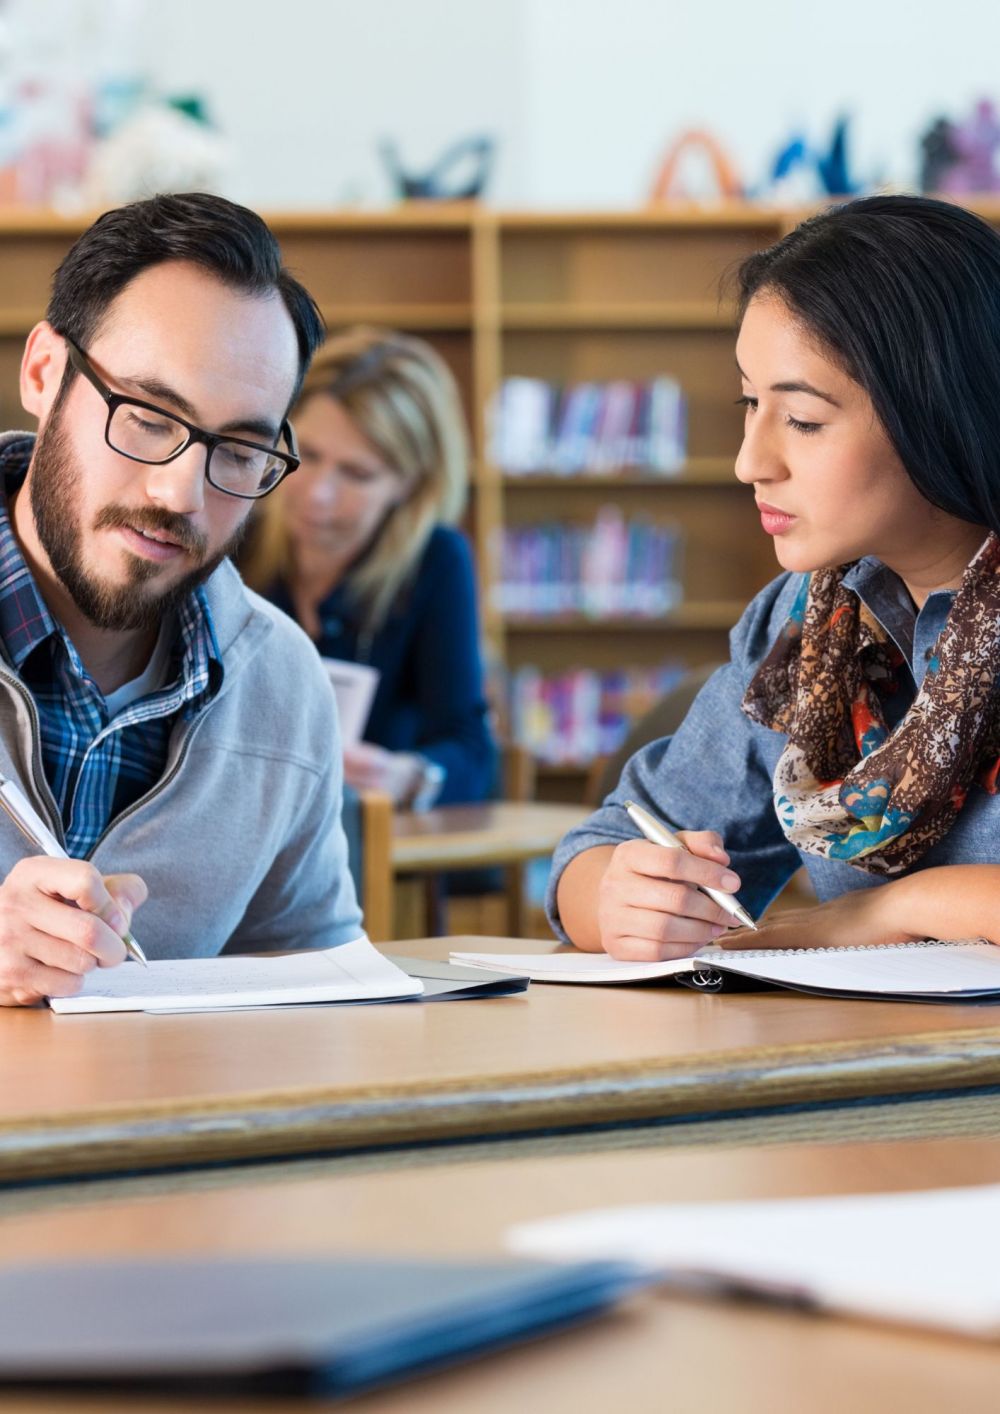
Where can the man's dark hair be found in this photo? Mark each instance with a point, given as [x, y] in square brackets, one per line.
[903, 293]
[229, 241]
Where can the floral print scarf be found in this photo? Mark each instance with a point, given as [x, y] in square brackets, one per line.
[848, 787]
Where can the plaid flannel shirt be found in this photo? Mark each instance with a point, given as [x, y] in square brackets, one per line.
[95, 767]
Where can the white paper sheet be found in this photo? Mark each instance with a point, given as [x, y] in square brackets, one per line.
[929, 1259]
[354, 687]
[353, 972]
[570, 966]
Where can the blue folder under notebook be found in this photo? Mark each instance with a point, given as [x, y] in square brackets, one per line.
[315, 1327]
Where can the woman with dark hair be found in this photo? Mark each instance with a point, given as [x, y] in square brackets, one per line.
[856, 729]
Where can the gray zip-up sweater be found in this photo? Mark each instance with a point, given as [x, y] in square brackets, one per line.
[240, 842]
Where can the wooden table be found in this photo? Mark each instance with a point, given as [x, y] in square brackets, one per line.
[93, 1094]
[468, 836]
[499, 833]
[663, 1352]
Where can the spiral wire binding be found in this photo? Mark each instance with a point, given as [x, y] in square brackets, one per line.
[720, 953]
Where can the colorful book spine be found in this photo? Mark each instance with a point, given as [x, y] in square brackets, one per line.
[615, 568]
[570, 718]
[589, 428]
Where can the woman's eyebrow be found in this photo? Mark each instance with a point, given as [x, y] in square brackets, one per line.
[796, 386]
[799, 387]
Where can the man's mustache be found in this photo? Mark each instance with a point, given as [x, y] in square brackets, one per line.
[175, 527]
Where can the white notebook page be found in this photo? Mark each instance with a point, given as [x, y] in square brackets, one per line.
[934, 969]
[923, 1258]
[570, 966]
[353, 972]
[924, 968]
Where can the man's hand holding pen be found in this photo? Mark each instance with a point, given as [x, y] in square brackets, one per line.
[59, 918]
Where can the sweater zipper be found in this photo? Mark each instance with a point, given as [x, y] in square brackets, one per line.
[41, 785]
[43, 792]
[160, 786]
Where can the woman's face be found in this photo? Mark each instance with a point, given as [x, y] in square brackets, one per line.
[341, 493]
[826, 478]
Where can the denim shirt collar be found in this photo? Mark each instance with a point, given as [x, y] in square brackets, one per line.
[882, 591]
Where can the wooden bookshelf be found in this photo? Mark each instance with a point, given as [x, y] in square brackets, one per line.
[566, 297]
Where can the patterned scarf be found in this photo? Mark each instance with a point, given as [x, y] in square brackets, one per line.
[847, 787]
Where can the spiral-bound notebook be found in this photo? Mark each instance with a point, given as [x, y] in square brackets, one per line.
[928, 971]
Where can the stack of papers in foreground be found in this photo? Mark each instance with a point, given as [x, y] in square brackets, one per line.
[928, 1259]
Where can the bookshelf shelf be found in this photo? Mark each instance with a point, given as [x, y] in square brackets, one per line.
[400, 315]
[679, 314]
[720, 614]
[18, 323]
[701, 471]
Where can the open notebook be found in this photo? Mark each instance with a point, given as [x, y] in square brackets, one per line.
[913, 1257]
[354, 972]
[966, 970]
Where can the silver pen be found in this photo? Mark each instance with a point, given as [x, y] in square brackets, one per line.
[658, 833]
[34, 829]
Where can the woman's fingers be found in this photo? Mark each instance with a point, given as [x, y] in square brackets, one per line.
[651, 900]
[670, 929]
[669, 896]
[654, 861]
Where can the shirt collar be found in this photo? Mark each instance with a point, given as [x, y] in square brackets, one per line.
[25, 621]
[886, 596]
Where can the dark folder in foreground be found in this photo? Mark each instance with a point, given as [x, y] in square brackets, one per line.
[287, 1326]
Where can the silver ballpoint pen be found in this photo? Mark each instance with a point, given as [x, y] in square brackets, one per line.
[658, 833]
[19, 808]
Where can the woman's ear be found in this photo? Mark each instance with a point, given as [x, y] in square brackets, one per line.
[42, 366]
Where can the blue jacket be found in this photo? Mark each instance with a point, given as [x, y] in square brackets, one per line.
[430, 693]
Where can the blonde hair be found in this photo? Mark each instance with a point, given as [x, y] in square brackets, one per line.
[403, 399]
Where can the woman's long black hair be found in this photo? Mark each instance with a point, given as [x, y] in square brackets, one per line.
[903, 292]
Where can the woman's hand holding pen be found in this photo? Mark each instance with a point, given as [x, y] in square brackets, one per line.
[59, 918]
[650, 907]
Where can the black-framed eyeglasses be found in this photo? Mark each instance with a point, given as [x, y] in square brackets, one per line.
[146, 433]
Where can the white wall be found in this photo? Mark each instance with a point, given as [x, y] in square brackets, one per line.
[611, 80]
[305, 88]
[582, 93]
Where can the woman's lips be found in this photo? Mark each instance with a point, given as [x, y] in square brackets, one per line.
[774, 521]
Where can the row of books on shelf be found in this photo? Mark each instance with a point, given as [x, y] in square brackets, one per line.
[617, 567]
[570, 718]
[589, 427]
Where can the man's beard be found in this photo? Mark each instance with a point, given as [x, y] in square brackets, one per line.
[54, 505]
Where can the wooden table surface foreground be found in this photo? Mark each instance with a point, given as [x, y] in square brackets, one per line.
[88, 1094]
[662, 1352]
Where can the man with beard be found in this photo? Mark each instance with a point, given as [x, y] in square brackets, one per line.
[160, 718]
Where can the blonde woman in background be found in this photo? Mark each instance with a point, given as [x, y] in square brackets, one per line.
[359, 547]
